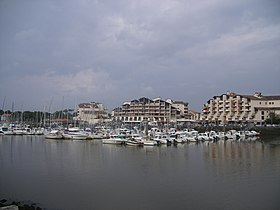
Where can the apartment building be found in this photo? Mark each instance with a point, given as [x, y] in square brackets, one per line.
[152, 110]
[194, 116]
[232, 107]
[92, 113]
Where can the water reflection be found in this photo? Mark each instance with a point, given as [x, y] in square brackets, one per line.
[240, 174]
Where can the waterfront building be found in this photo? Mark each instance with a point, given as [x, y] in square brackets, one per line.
[194, 116]
[6, 117]
[152, 110]
[232, 107]
[92, 113]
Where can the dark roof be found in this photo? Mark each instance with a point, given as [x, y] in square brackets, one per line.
[267, 108]
[181, 102]
[271, 97]
[88, 105]
[263, 98]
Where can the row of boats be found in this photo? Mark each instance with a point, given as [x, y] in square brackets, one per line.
[18, 130]
[150, 138]
[158, 138]
[133, 137]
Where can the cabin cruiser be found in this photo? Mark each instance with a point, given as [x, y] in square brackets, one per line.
[6, 130]
[134, 142]
[161, 139]
[75, 134]
[113, 139]
[54, 134]
[202, 137]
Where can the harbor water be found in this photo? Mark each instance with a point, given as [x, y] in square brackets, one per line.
[69, 174]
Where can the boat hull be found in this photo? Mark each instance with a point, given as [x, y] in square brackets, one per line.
[112, 141]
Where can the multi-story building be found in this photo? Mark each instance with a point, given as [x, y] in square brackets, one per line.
[156, 110]
[92, 113]
[194, 116]
[232, 107]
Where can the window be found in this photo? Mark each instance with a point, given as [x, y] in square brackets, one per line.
[262, 112]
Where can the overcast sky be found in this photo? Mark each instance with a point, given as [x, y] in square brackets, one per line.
[61, 53]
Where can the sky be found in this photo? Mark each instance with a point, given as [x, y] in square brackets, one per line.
[55, 54]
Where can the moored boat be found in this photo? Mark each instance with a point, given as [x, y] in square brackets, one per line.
[133, 142]
[54, 134]
[75, 134]
[114, 139]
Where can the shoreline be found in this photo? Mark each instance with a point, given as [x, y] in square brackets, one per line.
[22, 205]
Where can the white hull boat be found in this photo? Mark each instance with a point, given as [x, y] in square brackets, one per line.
[113, 140]
[76, 134]
[149, 143]
[132, 142]
[54, 134]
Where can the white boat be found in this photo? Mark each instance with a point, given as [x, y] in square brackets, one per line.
[113, 139]
[240, 134]
[221, 135]
[134, 142]
[39, 131]
[161, 139]
[54, 134]
[7, 130]
[149, 143]
[75, 134]
[192, 136]
[255, 133]
[202, 137]
[212, 135]
[27, 131]
[97, 135]
[18, 131]
[231, 134]
[179, 139]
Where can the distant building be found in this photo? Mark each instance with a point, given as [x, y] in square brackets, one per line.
[156, 110]
[194, 116]
[232, 107]
[92, 113]
[6, 117]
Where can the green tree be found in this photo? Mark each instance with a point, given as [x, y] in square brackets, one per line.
[273, 118]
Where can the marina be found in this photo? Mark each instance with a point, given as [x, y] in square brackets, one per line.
[140, 105]
[87, 174]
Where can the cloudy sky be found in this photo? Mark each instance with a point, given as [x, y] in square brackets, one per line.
[61, 53]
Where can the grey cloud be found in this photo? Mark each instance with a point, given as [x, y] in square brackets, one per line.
[182, 49]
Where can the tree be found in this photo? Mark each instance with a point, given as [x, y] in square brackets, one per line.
[273, 118]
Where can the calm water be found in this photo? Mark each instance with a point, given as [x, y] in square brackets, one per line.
[90, 175]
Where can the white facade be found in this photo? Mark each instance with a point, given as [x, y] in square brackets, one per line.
[156, 110]
[92, 113]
